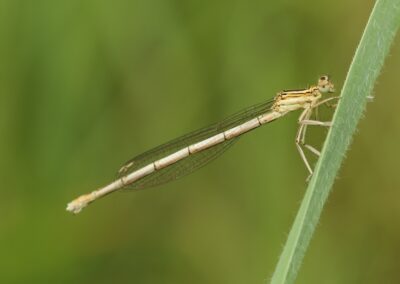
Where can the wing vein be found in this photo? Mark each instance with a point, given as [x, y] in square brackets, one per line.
[193, 161]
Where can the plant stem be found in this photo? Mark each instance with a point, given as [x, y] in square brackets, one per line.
[363, 72]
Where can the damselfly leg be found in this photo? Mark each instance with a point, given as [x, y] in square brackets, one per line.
[304, 122]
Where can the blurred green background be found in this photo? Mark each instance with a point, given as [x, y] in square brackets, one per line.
[86, 85]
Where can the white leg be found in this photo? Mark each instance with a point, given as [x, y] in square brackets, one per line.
[308, 147]
[303, 157]
[316, 122]
[312, 149]
[299, 138]
[326, 101]
[304, 121]
[306, 117]
[316, 113]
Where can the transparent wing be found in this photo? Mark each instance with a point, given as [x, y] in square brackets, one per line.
[193, 161]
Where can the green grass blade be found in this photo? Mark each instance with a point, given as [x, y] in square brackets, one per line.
[363, 72]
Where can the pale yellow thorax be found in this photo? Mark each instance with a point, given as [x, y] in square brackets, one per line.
[287, 101]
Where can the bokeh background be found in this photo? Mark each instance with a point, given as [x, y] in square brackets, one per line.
[87, 85]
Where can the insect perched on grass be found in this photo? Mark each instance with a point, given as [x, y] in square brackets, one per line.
[189, 152]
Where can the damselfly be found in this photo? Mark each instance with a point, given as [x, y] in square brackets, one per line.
[186, 154]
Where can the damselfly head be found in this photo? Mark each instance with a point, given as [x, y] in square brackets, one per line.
[325, 85]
